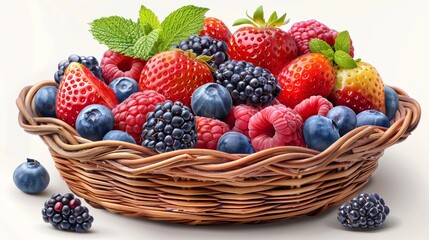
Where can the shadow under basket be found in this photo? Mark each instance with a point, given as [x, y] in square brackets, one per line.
[205, 187]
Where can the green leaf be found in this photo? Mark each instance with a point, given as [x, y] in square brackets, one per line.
[243, 21]
[148, 20]
[273, 18]
[329, 54]
[318, 45]
[180, 24]
[344, 60]
[258, 16]
[342, 42]
[279, 22]
[118, 33]
[144, 46]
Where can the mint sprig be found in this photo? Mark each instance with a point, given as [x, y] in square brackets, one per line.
[339, 54]
[148, 36]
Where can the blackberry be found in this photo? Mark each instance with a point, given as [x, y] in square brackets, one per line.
[205, 45]
[65, 212]
[363, 211]
[171, 126]
[89, 62]
[247, 84]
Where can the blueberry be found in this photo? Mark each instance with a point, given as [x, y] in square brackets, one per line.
[31, 177]
[124, 87]
[343, 117]
[320, 132]
[94, 121]
[392, 102]
[118, 135]
[211, 100]
[44, 100]
[372, 117]
[235, 142]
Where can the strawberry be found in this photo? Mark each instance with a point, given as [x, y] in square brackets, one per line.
[175, 75]
[263, 44]
[307, 75]
[360, 88]
[215, 29]
[78, 89]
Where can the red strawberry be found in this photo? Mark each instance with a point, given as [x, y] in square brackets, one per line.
[130, 115]
[116, 65]
[215, 29]
[307, 75]
[209, 130]
[78, 89]
[175, 75]
[263, 44]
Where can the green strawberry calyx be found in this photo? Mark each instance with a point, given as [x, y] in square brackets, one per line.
[258, 20]
[339, 54]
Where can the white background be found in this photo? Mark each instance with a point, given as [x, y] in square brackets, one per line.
[391, 35]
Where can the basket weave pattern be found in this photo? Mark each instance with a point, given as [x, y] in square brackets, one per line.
[198, 186]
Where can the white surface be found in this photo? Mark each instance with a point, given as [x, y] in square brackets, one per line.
[391, 35]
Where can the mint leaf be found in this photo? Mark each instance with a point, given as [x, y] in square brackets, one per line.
[344, 60]
[180, 24]
[118, 33]
[342, 42]
[329, 54]
[144, 46]
[148, 20]
[318, 45]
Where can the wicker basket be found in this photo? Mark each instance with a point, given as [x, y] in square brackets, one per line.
[198, 186]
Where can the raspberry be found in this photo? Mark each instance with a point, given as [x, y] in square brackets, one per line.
[239, 116]
[130, 115]
[304, 31]
[209, 130]
[116, 65]
[275, 126]
[314, 105]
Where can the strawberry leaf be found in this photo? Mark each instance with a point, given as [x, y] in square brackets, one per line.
[273, 18]
[344, 60]
[243, 21]
[342, 42]
[144, 46]
[318, 45]
[148, 20]
[258, 16]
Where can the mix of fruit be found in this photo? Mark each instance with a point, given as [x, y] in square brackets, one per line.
[189, 82]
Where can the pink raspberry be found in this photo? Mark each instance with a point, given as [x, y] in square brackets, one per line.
[209, 130]
[239, 116]
[304, 31]
[275, 126]
[130, 115]
[116, 65]
[314, 105]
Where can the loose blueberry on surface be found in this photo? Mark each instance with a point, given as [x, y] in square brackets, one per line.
[119, 135]
[211, 100]
[392, 102]
[343, 117]
[45, 99]
[235, 142]
[372, 117]
[94, 121]
[320, 132]
[124, 87]
[31, 177]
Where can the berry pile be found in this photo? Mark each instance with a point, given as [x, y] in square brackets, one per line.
[65, 212]
[89, 62]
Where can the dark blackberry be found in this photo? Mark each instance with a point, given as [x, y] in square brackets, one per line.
[247, 84]
[363, 211]
[89, 62]
[66, 213]
[205, 45]
[171, 126]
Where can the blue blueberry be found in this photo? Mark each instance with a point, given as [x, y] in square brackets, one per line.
[392, 102]
[211, 100]
[119, 136]
[235, 142]
[44, 100]
[344, 117]
[94, 121]
[124, 87]
[372, 117]
[320, 132]
[31, 177]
